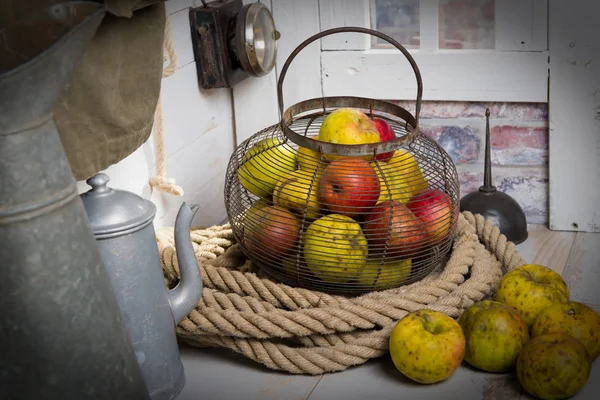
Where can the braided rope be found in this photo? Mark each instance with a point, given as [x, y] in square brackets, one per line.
[308, 332]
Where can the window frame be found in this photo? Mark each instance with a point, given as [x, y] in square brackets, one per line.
[516, 71]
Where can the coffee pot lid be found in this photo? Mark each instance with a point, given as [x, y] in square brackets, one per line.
[114, 212]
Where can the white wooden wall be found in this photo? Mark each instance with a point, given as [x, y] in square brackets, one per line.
[202, 128]
[574, 115]
[255, 103]
[199, 138]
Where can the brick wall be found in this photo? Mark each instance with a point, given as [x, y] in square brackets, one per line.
[519, 136]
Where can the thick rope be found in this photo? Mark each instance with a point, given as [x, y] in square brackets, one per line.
[160, 181]
[308, 332]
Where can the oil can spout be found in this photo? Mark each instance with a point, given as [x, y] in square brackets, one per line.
[504, 211]
[487, 173]
[185, 296]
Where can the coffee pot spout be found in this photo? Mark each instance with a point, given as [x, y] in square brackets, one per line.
[185, 296]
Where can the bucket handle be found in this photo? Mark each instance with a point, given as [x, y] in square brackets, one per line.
[347, 30]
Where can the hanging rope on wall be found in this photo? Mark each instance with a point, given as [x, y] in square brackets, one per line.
[160, 181]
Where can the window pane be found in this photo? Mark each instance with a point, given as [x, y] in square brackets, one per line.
[398, 19]
[466, 24]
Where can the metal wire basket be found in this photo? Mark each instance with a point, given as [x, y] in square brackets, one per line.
[314, 209]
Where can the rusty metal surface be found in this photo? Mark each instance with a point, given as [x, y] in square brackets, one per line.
[322, 105]
[403, 117]
[260, 172]
[434, 163]
[212, 29]
[367, 31]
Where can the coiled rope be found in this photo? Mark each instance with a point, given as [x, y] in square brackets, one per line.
[308, 332]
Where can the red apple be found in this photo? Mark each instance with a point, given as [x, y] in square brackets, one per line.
[386, 133]
[349, 186]
[271, 232]
[393, 222]
[436, 210]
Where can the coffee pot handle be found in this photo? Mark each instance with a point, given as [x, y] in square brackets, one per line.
[184, 297]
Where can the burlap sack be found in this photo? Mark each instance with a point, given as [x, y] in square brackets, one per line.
[107, 110]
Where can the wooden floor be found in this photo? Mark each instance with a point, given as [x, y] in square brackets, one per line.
[217, 373]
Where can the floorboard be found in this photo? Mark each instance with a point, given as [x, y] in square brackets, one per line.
[546, 247]
[582, 271]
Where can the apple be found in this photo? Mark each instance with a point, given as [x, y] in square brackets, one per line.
[349, 186]
[273, 233]
[392, 222]
[309, 160]
[249, 217]
[335, 249]
[265, 164]
[495, 334]
[391, 183]
[348, 126]
[553, 366]
[386, 133]
[299, 192]
[530, 289]
[437, 212]
[427, 346]
[408, 165]
[573, 318]
[380, 276]
[295, 267]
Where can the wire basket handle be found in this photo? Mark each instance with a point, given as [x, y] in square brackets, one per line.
[357, 30]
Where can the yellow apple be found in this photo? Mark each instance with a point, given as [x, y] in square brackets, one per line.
[348, 126]
[427, 346]
[296, 269]
[299, 191]
[265, 164]
[391, 182]
[335, 249]
[553, 366]
[573, 318]
[250, 216]
[409, 167]
[391, 273]
[495, 335]
[309, 160]
[530, 289]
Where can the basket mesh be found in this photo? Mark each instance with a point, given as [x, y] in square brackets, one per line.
[341, 224]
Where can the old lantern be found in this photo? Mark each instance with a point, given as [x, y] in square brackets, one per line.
[232, 41]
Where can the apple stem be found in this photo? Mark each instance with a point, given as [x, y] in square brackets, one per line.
[487, 176]
[571, 311]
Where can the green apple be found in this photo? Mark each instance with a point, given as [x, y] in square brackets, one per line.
[299, 192]
[408, 165]
[335, 248]
[531, 288]
[265, 164]
[573, 318]
[250, 217]
[553, 366]
[392, 183]
[495, 334]
[380, 276]
[309, 160]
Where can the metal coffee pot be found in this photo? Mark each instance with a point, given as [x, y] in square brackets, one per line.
[62, 334]
[122, 224]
